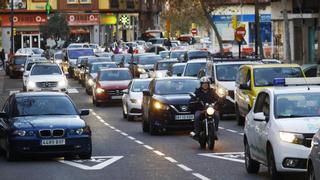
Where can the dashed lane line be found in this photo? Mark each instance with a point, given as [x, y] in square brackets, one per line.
[170, 159]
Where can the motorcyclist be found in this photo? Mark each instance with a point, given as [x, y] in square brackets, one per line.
[205, 94]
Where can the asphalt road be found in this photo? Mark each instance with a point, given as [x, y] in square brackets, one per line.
[122, 151]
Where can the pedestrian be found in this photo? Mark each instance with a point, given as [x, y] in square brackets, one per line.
[47, 53]
[2, 57]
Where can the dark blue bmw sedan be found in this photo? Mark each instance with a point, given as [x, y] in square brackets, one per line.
[46, 123]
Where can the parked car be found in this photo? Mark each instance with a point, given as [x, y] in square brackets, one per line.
[43, 123]
[15, 66]
[109, 85]
[46, 77]
[132, 98]
[165, 104]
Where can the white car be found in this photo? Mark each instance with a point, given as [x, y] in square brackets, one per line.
[194, 66]
[46, 77]
[30, 52]
[132, 98]
[280, 126]
[28, 65]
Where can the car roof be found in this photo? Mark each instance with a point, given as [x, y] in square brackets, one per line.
[112, 69]
[108, 62]
[236, 62]
[200, 60]
[179, 50]
[179, 64]
[47, 64]
[146, 79]
[168, 60]
[40, 93]
[292, 89]
[273, 65]
[78, 48]
[172, 78]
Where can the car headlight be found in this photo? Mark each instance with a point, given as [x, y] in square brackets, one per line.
[141, 70]
[291, 137]
[22, 69]
[31, 85]
[79, 131]
[99, 90]
[210, 111]
[160, 106]
[221, 92]
[23, 133]
[90, 82]
[62, 83]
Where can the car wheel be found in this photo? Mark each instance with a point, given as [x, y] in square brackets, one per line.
[95, 103]
[202, 140]
[153, 130]
[10, 155]
[239, 118]
[24, 88]
[145, 126]
[272, 169]
[11, 75]
[252, 166]
[311, 175]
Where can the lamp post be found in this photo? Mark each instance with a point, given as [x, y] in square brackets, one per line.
[11, 37]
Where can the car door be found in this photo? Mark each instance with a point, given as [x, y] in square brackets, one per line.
[126, 96]
[262, 129]
[4, 123]
[243, 93]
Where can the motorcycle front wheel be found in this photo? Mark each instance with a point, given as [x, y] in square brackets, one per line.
[211, 138]
[202, 140]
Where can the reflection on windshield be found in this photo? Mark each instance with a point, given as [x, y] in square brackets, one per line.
[96, 67]
[164, 65]
[176, 54]
[19, 60]
[149, 60]
[115, 75]
[74, 54]
[177, 69]
[140, 86]
[42, 105]
[227, 72]
[297, 105]
[176, 86]
[193, 69]
[265, 76]
[46, 70]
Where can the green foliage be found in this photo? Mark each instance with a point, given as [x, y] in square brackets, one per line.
[57, 27]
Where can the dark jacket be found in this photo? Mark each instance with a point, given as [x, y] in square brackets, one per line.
[2, 55]
[206, 97]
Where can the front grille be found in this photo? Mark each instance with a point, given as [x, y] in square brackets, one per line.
[115, 92]
[58, 132]
[45, 133]
[231, 94]
[182, 108]
[47, 84]
[134, 110]
[307, 139]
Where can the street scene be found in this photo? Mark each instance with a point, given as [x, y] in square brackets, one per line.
[159, 89]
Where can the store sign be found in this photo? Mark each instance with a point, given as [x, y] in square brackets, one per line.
[24, 20]
[241, 18]
[108, 19]
[83, 19]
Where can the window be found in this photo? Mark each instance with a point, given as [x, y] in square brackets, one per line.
[263, 104]
[72, 1]
[85, 1]
[114, 3]
[130, 4]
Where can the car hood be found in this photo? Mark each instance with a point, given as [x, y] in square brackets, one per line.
[173, 99]
[43, 78]
[136, 95]
[38, 122]
[110, 85]
[228, 85]
[299, 125]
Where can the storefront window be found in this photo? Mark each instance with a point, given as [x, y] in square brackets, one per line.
[114, 3]
[17, 4]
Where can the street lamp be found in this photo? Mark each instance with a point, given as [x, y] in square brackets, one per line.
[11, 37]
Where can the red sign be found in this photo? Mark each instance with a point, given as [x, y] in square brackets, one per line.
[83, 19]
[24, 20]
[240, 33]
[194, 31]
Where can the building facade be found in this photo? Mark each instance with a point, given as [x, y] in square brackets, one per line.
[93, 21]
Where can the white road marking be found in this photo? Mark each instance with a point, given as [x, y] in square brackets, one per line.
[125, 134]
[148, 147]
[101, 120]
[171, 159]
[72, 91]
[184, 167]
[103, 161]
[233, 131]
[117, 130]
[200, 176]
[139, 142]
[231, 156]
[159, 153]
[107, 124]
[221, 127]
[111, 127]
[98, 117]
[132, 138]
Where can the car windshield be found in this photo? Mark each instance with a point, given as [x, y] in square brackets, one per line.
[45, 70]
[96, 67]
[164, 65]
[115, 75]
[176, 86]
[144, 60]
[265, 76]
[156, 41]
[37, 51]
[297, 105]
[198, 54]
[164, 54]
[176, 54]
[193, 69]
[43, 105]
[227, 72]
[19, 60]
[58, 56]
[139, 86]
[75, 53]
[177, 69]
[118, 57]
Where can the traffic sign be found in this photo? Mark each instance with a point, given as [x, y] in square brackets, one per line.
[240, 33]
[125, 20]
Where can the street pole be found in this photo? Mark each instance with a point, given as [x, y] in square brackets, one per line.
[287, 32]
[11, 37]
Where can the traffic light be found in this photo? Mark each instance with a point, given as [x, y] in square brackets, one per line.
[234, 21]
[48, 7]
[14, 31]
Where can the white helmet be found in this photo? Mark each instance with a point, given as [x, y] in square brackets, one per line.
[205, 80]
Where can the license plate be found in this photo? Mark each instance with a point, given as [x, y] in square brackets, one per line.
[116, 97]
[53, 142]
[185, 117]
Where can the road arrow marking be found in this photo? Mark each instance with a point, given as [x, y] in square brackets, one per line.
[99, 162]
[231, 156]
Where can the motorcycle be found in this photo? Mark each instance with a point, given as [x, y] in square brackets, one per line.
[208, 129]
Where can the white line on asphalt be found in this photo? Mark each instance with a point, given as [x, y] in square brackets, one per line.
[139, 142]
[98, 117]
[200, 176]
[171, 159]
[233, 131]
[125, 134]
[148, 147]
[101, 120]
[107, 124]
[111, 127]
[221, 127]
[184, 167]
[94, 113]
[241, 134]
[117, 130]
[132, 138]
[159, 153]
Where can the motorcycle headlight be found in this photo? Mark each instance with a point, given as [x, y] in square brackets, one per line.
[90, 82]
[31, 84]
[210, 111]
[291, 137]
[221, 92]
[160, 106]
[99, 90]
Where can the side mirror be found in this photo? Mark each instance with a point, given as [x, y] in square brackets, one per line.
[146, 93]
[259, 117]
[84, 112]
[244, 86]
[125, 91]
[3, 114]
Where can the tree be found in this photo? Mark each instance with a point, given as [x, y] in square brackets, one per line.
[56, 27]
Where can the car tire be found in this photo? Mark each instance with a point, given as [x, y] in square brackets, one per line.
[252, 166]
[211, 138]
[153, 130]
[311, 173]
[86, 155]
[24, 88]
[202, 140]
[239, 118]
[272, 169]
[95, 103]
[10, 155]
